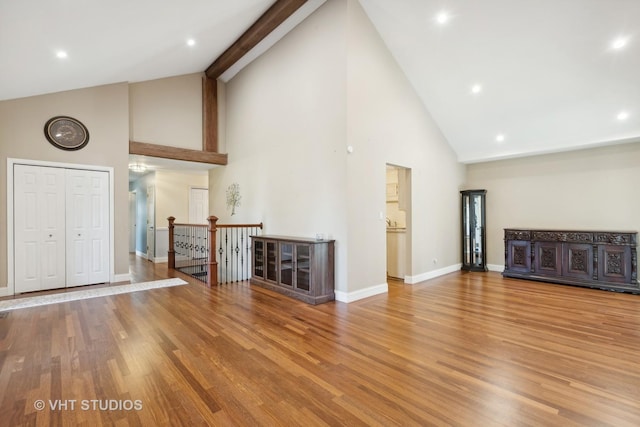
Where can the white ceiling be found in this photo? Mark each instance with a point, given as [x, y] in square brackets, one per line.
[113, 41]
[550, 79]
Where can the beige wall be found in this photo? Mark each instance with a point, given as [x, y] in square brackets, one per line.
[105, 112]
[290, 116]
[585, 189]
[172, 194]
[286, 136]
[167, 111]
[387, 123]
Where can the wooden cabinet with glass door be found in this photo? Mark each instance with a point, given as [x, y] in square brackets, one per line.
[473, 230]
[304, 268]
[265, 260]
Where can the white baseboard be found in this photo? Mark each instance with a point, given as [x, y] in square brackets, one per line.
[117, 278]
[4, 291]
[496, 267]
[362, 293]
[141, 254]
[161, 259]
[412, 280]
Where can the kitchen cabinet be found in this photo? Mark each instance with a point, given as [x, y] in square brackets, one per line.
[396, 252]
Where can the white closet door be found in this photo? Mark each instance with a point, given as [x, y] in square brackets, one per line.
[39, 223]
[87, 227]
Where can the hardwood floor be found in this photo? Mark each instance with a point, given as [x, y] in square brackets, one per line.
[466, 349]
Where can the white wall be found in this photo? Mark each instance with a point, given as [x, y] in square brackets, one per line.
[594, 189]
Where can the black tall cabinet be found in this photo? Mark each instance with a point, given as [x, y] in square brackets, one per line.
[473, 230]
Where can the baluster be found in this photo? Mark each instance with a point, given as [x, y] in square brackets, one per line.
[238, 255]
[171, 255]
[212, 271]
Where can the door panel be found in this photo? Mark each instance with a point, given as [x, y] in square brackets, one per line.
[78, 256]
[87, 227]
[39, 223]
[99, 229]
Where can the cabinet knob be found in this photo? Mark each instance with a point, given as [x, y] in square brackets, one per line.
[50, 235]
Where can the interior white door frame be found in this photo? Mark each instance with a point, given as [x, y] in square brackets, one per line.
[133, 220]
[10, 289]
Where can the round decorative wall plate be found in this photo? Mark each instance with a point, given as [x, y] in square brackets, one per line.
[66, 133]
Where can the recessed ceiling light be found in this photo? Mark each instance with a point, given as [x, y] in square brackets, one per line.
[619, 43]
[623, 115]
[61, 54]
[475, 89]
[191, 42]
[500, 138]
[442, 17]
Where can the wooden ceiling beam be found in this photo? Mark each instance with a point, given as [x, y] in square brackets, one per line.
[268, 22]
[209, 114]
[166, 152]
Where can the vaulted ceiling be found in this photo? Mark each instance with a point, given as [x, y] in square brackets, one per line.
[502, 78]
[547, 73]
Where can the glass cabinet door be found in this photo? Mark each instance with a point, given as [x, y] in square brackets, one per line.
[473, 230]
[258, 258]
[272, 258]
[286, 264]
[302, 267]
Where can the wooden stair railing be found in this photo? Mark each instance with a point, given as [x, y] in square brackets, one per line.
[199, 249]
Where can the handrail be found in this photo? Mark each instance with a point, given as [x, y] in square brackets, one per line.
[240, 225]
[211, 243]
[218, 225]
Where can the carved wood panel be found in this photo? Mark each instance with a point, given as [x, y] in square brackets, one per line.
[614, 263]
[548, 258]
[518, 255]
[577, 260]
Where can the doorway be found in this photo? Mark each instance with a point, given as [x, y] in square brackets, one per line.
[398, 221]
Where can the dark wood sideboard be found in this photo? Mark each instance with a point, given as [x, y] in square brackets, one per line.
[298, 267]
[595, 259]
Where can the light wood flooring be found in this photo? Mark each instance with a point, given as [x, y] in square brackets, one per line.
[466, 349]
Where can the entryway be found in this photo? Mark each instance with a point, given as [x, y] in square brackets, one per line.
[398, 196]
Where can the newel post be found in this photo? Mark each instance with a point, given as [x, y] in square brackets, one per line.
[172, 253]
[212, 272]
